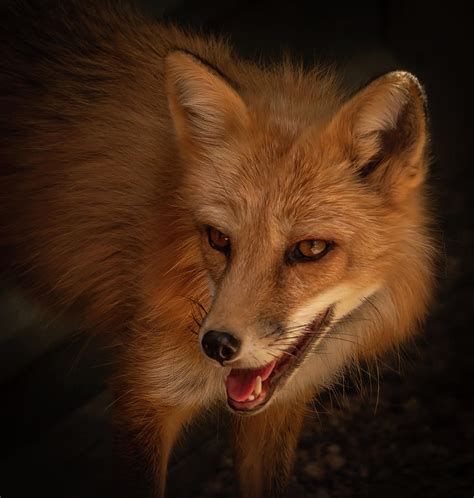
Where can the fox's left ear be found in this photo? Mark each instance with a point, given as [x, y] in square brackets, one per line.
[384, 130]
[206, 110]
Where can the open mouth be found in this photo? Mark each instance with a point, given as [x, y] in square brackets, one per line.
[248, 390]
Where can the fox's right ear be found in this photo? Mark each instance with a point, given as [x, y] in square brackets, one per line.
[205, 109]
[384, 132]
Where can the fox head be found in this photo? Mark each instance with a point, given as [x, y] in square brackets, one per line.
[307, 213]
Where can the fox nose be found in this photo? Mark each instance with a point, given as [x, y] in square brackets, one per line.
[220, 346]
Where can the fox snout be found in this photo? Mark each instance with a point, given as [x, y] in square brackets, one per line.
[220, 346]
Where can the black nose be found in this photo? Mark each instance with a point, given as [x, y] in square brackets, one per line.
[220, 346]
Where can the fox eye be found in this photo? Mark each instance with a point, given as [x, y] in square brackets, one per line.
[310, 250]
[218, 240]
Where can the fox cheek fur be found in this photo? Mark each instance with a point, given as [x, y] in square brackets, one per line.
[118, 158]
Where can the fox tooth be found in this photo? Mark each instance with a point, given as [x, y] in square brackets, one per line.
[251, 397]
[258, 386]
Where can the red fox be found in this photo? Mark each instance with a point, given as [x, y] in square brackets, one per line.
[227, 222]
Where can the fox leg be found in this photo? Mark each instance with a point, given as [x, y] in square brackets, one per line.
[166, 435]
[145, 446]
[265, 445]
[157, 394]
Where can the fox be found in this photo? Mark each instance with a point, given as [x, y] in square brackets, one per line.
[242, 232]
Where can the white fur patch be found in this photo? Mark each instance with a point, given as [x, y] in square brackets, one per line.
[345, 298]
[320, 370]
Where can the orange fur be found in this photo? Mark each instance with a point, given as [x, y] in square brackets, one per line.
[121, 139]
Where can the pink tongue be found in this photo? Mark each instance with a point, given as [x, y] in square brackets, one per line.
[241, 382]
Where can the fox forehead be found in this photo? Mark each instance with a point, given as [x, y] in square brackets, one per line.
[294, 198]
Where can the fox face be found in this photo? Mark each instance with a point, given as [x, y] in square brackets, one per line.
[310, 226]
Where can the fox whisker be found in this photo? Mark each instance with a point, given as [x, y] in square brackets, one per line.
[285, 352]
[192, 331]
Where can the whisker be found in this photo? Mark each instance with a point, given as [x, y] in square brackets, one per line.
[286, 338]
[343, 340]
[254, 357]
[378, 387]
[202, 310]
[272, 355]
[272, 332]
[334, 322]
[281, 343]
[369, 301]
[196, 320]
[286, 352]
[314, 350]
[192, 331]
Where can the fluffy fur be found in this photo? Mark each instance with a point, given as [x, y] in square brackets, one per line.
[122, 139]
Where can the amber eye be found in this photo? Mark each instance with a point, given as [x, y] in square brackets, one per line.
[218, 240]
[310, 250]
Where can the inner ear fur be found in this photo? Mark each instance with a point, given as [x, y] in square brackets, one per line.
[384, 131]
[206, 109]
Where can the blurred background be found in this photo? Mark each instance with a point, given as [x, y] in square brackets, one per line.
[411, 434]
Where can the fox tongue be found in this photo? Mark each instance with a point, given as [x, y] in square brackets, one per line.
[241, 382]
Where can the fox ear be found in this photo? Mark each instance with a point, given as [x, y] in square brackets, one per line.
[205, 109]
[384, 129]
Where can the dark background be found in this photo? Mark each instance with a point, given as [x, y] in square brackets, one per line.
[411, 434]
